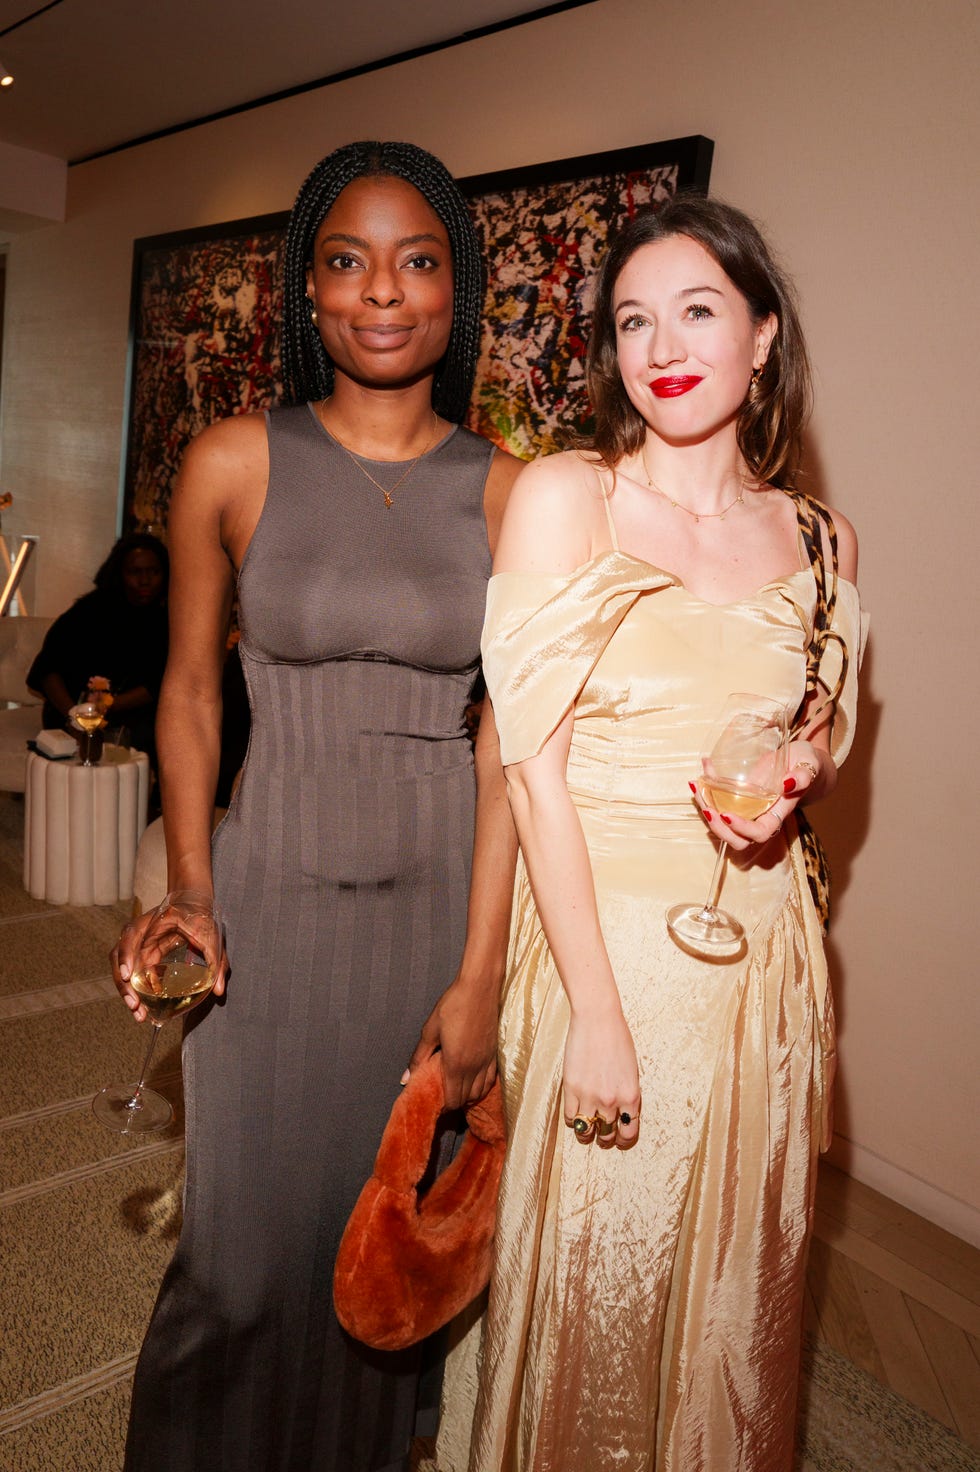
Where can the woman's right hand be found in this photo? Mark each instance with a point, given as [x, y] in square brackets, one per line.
[124, 954]
[601, 1075]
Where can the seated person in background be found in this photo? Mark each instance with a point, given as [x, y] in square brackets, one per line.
[119, 631]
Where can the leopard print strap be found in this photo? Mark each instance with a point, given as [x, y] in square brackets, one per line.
[813, 519]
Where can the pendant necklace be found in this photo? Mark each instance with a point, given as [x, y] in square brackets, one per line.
[387, 491]
[698, 515]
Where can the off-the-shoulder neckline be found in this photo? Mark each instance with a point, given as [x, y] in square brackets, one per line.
[614, 554]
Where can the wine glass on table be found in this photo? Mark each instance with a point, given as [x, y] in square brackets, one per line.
[89, 715]
[173, 971]
[742, 772]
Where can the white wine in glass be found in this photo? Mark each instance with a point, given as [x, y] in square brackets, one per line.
[742, 775]
[744, 800]
[174, 971]
[89, 715]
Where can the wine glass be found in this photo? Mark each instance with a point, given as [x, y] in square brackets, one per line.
[742, 774]
[89, 715]
[173, 971]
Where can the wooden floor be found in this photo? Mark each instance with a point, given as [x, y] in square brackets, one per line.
[898, 1297]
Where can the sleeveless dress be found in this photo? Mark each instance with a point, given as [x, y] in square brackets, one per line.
[342, 871]
[645, 1309]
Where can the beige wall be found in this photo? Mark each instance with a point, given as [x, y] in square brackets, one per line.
[850, 129]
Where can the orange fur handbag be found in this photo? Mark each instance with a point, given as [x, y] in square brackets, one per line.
[407, 1263]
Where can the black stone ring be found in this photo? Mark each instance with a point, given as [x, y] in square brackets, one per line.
[625, 1118]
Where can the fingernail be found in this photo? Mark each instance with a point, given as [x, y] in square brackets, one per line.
[124, 971]
[405, 1077]
[693, 788]
[789, 784]
[725, 819]
[131, 1003]
[707, 814]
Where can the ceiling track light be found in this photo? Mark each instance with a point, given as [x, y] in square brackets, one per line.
[6, 78]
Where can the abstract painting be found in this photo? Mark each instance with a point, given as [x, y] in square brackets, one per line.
[543, 230]
[205, 335]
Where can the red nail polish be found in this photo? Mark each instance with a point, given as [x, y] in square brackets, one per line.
[789, 785]
[693, 788]
[707, 814]
[725, 819]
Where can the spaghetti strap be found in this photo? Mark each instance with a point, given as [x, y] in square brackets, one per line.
[605, 501]
[801, 550]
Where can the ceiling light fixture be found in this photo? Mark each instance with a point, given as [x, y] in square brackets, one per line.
[7, 78]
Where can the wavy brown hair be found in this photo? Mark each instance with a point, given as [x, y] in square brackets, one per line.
[774, 415]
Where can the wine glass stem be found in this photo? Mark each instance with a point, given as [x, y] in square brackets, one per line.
[717, 878]
[134, 1102]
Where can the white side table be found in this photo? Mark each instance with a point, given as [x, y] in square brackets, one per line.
[82, 825]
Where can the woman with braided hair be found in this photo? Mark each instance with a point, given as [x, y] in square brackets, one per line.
[357, 525]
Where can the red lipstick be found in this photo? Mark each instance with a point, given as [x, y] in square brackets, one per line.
[672, 388]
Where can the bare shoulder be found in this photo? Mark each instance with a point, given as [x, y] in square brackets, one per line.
[847, 547]
[847, 543]
[229, 448]
[560, 482]
[551, 519]
[222, 483]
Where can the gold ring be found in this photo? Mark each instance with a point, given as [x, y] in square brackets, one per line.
[604, 1127]
[809, 767]
[581, 1125]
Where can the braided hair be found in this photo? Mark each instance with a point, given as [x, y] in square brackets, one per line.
[307, 370]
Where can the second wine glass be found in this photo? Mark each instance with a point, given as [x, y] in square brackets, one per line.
[88, 714]
[174, 970]
[742, 773]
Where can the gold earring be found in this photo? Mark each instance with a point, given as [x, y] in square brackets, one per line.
[755, 383]
[313, 316]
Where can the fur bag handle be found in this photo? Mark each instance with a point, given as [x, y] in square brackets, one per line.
[411, 1259]
[403, 1155]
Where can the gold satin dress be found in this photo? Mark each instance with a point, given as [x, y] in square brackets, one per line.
[645, 1310]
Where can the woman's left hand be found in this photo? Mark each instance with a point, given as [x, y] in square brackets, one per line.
[463, 1027]
[806, 773]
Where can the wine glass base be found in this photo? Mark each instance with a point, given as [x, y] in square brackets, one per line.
[705, 930]
[113, 1106]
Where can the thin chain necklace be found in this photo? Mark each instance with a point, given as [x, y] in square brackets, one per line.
[679, 506]
[389, 491]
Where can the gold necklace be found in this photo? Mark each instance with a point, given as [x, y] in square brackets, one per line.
[387, 492]
[698, 515]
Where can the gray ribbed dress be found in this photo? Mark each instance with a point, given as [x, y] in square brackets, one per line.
[342, 871]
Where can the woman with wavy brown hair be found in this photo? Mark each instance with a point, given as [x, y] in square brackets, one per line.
[665, 1110]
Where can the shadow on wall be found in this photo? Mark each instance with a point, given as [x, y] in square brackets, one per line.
[843, 826]
[843, 822]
